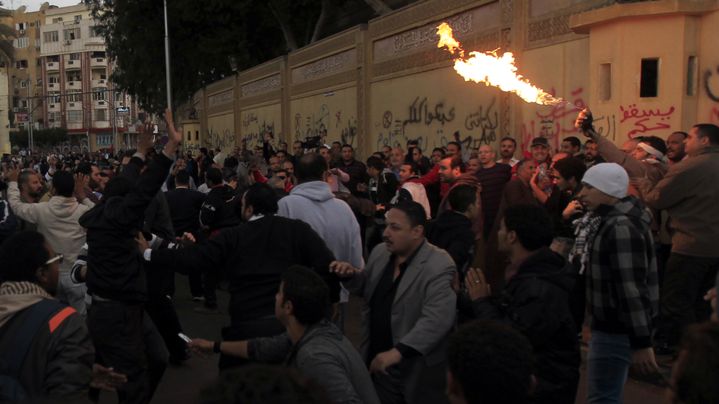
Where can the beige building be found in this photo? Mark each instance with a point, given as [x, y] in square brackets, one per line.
[75, 82]
[26, 71]
[645, 68]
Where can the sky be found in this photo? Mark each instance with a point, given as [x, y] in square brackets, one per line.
[34, 5]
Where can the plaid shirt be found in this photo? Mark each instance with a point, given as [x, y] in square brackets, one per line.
[622, 283]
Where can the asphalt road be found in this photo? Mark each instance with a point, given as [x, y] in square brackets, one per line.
[183, 384]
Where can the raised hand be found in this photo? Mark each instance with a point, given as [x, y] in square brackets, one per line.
[172, 134]
[145, 138]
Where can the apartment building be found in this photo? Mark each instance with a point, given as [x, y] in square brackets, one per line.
[74, 78]
[25, 70]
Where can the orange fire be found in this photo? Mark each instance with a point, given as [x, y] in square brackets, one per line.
[492, 70]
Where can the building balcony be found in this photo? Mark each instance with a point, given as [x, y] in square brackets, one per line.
[100, 104]
[73, 85]
[72, 65]
[74, 125]
[99, 83]
[98, 62]
[101, 124]
[74, 106]
[53, 107]
[53, 86]
[52, 66]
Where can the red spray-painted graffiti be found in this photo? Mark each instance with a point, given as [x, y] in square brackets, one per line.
[645, 121]
[558, 123]
[714, 115]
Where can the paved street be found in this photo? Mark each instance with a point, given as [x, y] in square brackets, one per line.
[182, 384]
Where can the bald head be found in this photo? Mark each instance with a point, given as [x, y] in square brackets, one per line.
[487, 156]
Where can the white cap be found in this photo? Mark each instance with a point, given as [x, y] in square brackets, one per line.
[609, 178]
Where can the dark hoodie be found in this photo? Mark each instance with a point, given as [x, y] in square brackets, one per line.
[536, 303]
[452, 232]
[219, 210]
[115, 264]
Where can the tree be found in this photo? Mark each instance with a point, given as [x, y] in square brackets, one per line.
[7, 34]
[209, 40]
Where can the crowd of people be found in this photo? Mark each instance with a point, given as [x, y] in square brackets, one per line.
[480, 275]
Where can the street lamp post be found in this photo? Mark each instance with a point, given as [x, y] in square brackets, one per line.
[167, 58]
[30, 108]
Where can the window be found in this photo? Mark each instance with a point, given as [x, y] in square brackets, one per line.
[21, 64]
[53, 79]
[53, 97]
[56, 20]
[100, 115]
[23, 83]
[605, 81]
[197, 135]
[104, 140]
[53, 117]
[53, 58]
[97, 54]
[22, 104]
[692, 75]
[21, 26]
[189, 135]
[74, 96]
[74, 116]
[78, 18]
[50, 36]
[74, 56]
[22, 42]
[95, 32]
[649, 82]
[99, 94]
[71, 34]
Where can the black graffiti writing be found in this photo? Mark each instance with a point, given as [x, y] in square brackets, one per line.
[222, 139]
[419, 112]
[707, 85]
[486, 121]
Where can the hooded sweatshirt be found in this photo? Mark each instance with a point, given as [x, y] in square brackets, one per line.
[536, 303]
[622, 283]
[57, 220]
[59, 361]
[313, 203]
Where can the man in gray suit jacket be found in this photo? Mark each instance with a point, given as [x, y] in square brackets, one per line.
[409, 309]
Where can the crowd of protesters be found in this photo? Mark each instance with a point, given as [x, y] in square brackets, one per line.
[481, 273]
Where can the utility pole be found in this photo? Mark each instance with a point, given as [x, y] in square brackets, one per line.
[30, 109]
[167, 59]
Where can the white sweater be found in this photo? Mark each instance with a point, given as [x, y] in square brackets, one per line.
[56, 219]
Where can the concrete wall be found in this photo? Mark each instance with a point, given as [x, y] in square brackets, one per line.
[386, 82]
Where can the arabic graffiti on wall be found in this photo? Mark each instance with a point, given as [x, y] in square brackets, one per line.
[254, 127]
[224, 139]
[434, 124]
[645, 121]
[557, 122]
[713, 95]
[714, 115]
[327, 124]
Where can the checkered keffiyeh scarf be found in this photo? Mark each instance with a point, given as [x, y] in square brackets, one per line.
[585, 228]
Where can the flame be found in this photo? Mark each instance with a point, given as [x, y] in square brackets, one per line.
[492, 70]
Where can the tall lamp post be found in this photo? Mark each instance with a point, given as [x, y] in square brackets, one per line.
[31, 108]
[167, 58]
